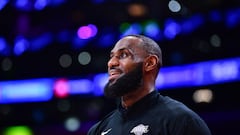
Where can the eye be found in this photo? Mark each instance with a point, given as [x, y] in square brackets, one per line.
[123, 55]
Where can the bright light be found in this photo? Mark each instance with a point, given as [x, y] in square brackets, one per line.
[23, 5]
[172, 28]
[26, 90]
[40, 4]
[132, 29]
[137, 10]
[65, 60]
[86, 32]
[225, 70]
[4, 47]
[203, 95]
[84, 58]
[174, 6]
[3, 44]
[72, 124]
[81, 86]
[3, 3]
[152, 29]
[18, 130]
[21, 45]
[61, 88]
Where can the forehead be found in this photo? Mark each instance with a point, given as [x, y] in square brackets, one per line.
[130, 43]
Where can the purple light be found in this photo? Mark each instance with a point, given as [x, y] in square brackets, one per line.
[86, 32]
[232, 18]
[81, 86]
[133, 29]
[40, 4]
[100, 81]
[34, 90]
[3, 3]
[152, 29]
[94, 29]
[23, 4]
[21, 45]
[3, 44]
[221, 71]
[203, 73]
[4, 47]
[171, 29]
[61, 88]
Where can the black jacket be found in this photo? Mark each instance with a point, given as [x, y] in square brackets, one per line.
[152, 115]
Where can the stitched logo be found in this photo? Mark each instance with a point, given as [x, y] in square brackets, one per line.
[105, 132]
[140, 129]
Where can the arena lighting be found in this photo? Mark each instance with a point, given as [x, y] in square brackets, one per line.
[174, 6]
[3, 3]
[21, 45]
[40, 4]
[134, 28]
[232, 18]
[198, 74]
[80, 86]
[192, 23]
[34, 90]
[86, 32]
[4, 47]
[203, 73]
[28, 5]
[24, 5]
[18, 130]
[152, 29]
[172, 28]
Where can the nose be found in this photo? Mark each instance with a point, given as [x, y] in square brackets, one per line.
[113, 62]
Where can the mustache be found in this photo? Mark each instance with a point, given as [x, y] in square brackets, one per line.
[115, 69]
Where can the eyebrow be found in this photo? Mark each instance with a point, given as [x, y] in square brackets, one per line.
[122, 49]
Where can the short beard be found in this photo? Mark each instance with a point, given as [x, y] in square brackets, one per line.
[125, 84]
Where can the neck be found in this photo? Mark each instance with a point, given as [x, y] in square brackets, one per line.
[131, 98]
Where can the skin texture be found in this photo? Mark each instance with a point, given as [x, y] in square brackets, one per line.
[126, 55]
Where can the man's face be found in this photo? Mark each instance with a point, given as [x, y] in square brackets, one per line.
[125, 67]
[126, 83]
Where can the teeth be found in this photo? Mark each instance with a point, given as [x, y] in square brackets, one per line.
[113, 73]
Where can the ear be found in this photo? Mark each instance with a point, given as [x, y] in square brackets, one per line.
[151, 63]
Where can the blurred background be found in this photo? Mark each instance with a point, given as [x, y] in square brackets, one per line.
[53, 56]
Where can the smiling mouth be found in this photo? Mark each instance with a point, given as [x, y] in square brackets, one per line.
[113, 75]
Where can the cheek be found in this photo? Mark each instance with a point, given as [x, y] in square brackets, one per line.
[128, 67]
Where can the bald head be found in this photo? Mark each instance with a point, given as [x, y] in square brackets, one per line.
[150, 46]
